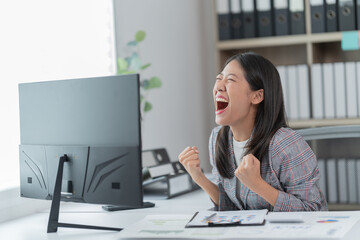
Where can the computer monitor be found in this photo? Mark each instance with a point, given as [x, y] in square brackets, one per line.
[82, 136]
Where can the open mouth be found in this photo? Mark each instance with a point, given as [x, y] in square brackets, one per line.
[221, 104]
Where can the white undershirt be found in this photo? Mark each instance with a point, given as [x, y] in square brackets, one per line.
[239, 149]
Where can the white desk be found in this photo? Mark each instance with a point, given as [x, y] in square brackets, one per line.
[34, 226]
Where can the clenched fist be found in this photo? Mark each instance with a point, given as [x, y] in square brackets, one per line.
[189, 158]
[248, 172]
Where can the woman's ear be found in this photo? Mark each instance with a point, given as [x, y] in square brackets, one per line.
[258, 96]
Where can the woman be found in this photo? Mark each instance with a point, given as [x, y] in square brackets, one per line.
[258, 162]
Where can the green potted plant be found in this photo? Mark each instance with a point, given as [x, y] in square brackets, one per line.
[133, 64]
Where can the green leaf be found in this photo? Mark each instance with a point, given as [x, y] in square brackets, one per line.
[132, 43]
[140, 36]
[145, 84]
[129, 72]
[135, 62]
[121, 72]
[128, 60]
[147, 106]
[122, 65]
[154, 82]
[141, 98]
[145, 66]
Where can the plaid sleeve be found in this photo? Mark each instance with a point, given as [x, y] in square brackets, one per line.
[295, 165]
[225, 204]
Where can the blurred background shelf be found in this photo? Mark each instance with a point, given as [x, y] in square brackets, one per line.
[296, 124]
[302, 49]
[279, 41]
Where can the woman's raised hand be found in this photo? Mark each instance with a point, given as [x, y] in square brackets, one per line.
[248, 172]
[189, 158]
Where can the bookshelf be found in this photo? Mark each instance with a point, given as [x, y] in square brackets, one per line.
[323, 122]
[306, 49]
[273, 41]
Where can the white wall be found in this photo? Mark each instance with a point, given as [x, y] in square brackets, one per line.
[44, 40]
[180, 46]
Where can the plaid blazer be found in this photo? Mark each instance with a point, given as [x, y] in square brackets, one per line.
[290, 166]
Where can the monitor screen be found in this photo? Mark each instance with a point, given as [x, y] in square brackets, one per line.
[96, 123]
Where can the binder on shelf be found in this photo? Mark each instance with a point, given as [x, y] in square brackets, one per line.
[331, 13]
[169, 186]
[297, 17]
[351, 91]
[283, 77]
[339, 81]
[329, 91]
[317, 10]
[236, 20]
[293, 92]
[304, 95]
[224, 18]
[358, 178]
[322, 180]
[281, 17]
[331, 182]
[358, 14]
[351, 174]
[248, 10]
[342, 180]
[264, 18]
[347, 15]
[358, 85]
[317, 91]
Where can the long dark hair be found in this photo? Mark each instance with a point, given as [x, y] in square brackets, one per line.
[260, 73]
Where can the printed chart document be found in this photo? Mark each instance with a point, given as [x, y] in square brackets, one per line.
[315, 225]
[227, 218]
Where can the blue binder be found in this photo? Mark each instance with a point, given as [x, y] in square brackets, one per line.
[237, 26]
[317, 10]
[264, 18]
[297, 16]
[358, 13]
[331, 14]
[281, 17]
[224, 18]
[347, 15]
[248, 10]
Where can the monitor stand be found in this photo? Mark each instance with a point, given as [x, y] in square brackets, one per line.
[119, 208]
[54, 223]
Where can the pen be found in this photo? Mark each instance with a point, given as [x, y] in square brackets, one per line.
[209, 217]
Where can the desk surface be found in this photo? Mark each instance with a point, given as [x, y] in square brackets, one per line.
[34, 226]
